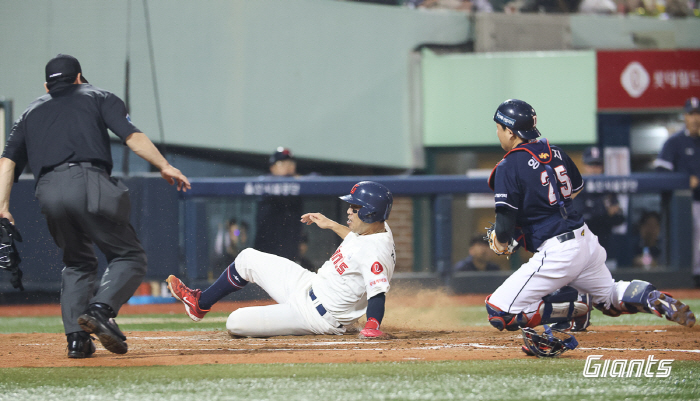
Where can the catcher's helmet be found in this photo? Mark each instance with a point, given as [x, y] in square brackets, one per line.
[519, 116]
[549, 344]
[375, 199]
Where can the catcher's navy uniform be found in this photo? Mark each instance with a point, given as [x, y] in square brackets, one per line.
[534, 185]
[543, 216]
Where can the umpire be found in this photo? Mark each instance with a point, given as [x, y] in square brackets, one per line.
[63, 137]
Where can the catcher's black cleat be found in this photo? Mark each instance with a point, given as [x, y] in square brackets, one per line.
[98, 319]
[80, 345]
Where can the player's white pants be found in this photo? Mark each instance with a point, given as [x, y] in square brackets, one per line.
[579, 262]
[288, 284]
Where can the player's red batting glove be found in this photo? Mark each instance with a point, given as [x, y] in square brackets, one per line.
[371, 329]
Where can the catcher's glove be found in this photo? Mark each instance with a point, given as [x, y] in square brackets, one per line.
[491, 238]
[9, 256]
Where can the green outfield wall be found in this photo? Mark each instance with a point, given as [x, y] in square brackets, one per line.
[462, 91]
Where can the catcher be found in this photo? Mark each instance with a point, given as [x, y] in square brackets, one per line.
[534, 184]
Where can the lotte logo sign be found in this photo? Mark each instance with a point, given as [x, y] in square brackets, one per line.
[635, 79]
[643, 80]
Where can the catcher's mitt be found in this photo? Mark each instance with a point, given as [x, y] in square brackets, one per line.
[491, 238]
[9, 256]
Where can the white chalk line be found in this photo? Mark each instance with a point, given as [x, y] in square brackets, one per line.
[434, 347]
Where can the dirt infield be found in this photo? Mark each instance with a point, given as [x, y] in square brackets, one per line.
[412, 339]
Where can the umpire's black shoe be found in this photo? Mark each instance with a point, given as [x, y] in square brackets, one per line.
[98, 319]
[80, 345]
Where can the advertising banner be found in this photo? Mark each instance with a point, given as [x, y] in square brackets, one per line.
[647, 80]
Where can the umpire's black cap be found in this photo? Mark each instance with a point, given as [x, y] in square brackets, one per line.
[692, 105]
[63, 66]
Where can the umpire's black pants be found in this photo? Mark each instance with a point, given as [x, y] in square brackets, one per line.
[62, 194]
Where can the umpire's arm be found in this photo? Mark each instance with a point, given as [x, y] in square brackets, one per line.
[144, 148]
[7, 176]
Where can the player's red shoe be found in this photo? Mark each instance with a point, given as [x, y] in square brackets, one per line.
[662, 304]
[190, 298]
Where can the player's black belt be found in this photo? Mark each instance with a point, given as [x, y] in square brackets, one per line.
[566, 236]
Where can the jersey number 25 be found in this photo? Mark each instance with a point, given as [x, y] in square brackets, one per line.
[563, 178]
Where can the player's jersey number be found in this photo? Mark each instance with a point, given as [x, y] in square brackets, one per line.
[564, 180]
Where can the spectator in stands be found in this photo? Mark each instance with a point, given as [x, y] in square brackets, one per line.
[550, 6]
[478, 259]
[681, 153]
[278, 230]
[384, 2]
[647, 249]
[597, 7]
[678, 8]
[461, 5]
[647, 8]
[601, 212]
[302, 260]
[230, 241]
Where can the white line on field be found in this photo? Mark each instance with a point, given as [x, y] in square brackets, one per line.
[340, 343]
[477, 345]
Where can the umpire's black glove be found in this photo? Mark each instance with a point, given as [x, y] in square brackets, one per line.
[9, 257]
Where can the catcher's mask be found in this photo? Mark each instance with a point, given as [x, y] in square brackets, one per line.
[549, 344]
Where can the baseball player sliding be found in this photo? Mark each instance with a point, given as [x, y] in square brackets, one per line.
[351, 284]
[534, 185]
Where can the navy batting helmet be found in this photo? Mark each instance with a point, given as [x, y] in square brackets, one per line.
[375, 199]
[519, 116]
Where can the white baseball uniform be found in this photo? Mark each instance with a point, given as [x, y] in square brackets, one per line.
[315, 303]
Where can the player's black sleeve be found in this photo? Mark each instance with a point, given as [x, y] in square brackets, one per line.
[505, 224]
[375, 307]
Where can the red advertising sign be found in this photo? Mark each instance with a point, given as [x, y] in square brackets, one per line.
[642, 80]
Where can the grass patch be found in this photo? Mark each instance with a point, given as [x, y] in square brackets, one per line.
[483, 380]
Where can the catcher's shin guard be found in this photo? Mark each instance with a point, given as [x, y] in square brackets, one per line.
[642, 296]
[559, 312]
[636, 297]
[580, 322]
[504, 320]
[561, 308]
[633, 300]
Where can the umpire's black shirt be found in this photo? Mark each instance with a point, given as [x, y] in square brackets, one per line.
[68, 124]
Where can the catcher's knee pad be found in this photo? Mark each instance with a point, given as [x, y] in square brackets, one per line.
[503, 320]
